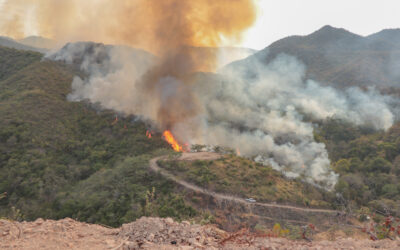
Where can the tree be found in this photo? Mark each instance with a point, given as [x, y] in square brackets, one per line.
[379, 164]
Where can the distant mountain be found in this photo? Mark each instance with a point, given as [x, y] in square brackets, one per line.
[39, 42]
[6, 38]
[340, 58]
[11, 43]
[388, 35]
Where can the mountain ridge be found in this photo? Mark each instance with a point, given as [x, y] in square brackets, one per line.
[39, 42]
[11, 43]
[338, 57]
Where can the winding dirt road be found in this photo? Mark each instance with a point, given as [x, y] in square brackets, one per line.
[213, 156]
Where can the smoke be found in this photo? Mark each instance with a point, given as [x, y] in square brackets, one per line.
[153, 25]
[258, 109]
[170, 28]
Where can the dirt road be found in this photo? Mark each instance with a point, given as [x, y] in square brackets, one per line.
[212, 156]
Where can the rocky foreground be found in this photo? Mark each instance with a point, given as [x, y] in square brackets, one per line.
[155, 233]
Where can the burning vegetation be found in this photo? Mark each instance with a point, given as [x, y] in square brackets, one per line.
[148, 134]
[167, 135]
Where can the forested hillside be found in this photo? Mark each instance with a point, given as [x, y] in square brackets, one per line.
[367, 160]
[12, 60]
[368, 163]
[60, 158]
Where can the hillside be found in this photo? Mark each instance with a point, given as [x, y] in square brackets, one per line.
[70, 159]
[391, 36]
[10, 43]
[38, 42]
[368, 163]
[367, 160]
[244, 178]
[339, 58]
[12, 61]
[60, 158]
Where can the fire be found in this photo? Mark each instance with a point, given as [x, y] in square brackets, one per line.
[171, 140]
[148, 134]
[237, 152]
[115, 121]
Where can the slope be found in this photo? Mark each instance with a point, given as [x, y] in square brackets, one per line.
[235, 177]
[10, 43]
[38, 42]
[67, 159]
[52, 151]
[338, 57]
[368, 163]
[11, 61]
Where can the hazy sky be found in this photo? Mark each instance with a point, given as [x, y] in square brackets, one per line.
[281, 18]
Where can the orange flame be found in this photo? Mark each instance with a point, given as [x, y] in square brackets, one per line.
[237, 152]
[115, 121]
[148, 134]
[171, 140]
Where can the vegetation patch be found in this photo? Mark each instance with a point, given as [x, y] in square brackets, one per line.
[245, 178]
[368, 163]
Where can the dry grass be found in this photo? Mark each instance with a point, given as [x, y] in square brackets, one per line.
[243, 177]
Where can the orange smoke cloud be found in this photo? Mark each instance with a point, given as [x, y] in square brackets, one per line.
[150, 24]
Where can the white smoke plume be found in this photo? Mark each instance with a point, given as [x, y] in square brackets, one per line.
[258, 109]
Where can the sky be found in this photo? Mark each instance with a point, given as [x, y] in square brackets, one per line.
[281, 18]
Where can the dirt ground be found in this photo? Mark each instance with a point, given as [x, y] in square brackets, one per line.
[62, 234]
[203, 156]
[155, 233]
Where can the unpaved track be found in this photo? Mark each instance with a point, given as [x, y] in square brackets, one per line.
[212, 156]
